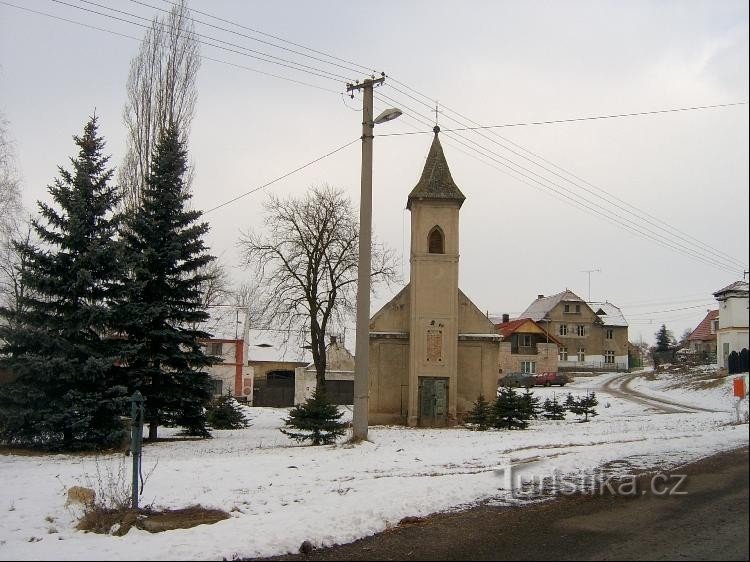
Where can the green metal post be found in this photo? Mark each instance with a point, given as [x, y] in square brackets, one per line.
[136, 434]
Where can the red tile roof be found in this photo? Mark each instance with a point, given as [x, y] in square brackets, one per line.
[703, 331]
[509, 328]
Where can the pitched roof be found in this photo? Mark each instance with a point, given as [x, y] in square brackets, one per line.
[275, 345]
[608, 313]
[436, 181]
[738, 287]
[507, 329]
[703, 331]
[541, 306]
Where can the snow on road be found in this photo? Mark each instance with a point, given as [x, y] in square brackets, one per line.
[280, 494]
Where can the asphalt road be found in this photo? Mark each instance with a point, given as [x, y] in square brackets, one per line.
[708, 522]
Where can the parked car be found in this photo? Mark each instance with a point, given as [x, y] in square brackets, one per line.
[548, 379]
[517, 380]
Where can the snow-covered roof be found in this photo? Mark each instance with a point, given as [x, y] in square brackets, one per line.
[609, 314]
[739, 288]
[276, 345]
[541, 306]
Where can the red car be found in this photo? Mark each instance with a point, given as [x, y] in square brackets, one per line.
[548, 379]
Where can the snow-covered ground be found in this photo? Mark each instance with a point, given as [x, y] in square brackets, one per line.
[280, 494]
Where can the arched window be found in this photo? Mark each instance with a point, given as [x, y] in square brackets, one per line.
[435, 241]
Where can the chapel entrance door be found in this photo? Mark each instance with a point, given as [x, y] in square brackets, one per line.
[433, 401]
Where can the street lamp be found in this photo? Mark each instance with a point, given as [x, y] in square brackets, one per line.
[362, 350]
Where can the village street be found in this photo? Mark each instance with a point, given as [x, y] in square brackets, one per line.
[709, 522]
[280, 494]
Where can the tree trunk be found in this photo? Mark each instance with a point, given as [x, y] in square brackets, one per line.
[153, 429]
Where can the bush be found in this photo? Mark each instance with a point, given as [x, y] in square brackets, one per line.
[510, 410]
[553, 410]
[480, 416]
[225, 412]
[317, 420]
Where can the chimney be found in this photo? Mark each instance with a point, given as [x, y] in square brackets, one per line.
[506, 318]
[540, 296]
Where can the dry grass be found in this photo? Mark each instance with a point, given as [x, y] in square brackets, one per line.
[119, 521]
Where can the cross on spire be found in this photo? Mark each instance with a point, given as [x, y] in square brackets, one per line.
[436, 113]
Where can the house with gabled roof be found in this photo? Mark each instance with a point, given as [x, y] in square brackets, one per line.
[591, 335]
[526, 347]
[732, 334]
[702, 340]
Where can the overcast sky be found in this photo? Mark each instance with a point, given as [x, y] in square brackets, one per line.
[492, 63]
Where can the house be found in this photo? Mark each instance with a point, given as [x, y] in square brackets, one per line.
[432, 351]
[702, 340]
[339, 376]
[526, 347]
[232, 374]
[732, 334]
[274, 355]
[590, 335]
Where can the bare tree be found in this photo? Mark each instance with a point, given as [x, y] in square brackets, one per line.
[10, 184]
[161, 92]
[307, 262]
[14, 262]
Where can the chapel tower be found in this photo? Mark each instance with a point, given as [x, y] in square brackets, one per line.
[434, 204]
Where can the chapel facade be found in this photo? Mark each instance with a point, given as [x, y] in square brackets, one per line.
[432, 351]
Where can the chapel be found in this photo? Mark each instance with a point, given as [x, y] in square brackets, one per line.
[432, 351]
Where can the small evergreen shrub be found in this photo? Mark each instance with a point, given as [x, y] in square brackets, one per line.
[224, 412]
[554, 410]
[509, 410]
[317, 421]
[480, 416]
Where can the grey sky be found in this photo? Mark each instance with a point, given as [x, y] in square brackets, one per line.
[494, 62]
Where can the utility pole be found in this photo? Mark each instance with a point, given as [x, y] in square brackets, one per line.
[590, 271]
[362, 350]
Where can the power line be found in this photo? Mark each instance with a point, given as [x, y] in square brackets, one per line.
[205, 41]
[670, 310]
[195, 20]
[570, 197]
[570, 120]
[640, 213]
[204, 57]
[365, 68]
[286, 175]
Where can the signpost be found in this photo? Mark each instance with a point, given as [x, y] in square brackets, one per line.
[136, 434]
[740, 392]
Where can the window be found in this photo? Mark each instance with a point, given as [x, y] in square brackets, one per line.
[610, 333]
[609, 357]
[528, 367]
[217, 387]
[524, 340]
[714, 326]
[578, 309]
[581, 354]
[563, 354]
[214, 348]
[563, 329]
[580, 330]
[435, 241]
[566, 308]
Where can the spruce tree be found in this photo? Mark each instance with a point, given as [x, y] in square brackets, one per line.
[585, 406]
[530, 405]
[165, 248]
[570, 402]
[225, 412]
[480, 416]
[68, 392]
[317, 421]
[509, 412]
[553, 410]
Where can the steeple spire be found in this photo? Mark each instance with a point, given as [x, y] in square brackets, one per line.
[436, 181]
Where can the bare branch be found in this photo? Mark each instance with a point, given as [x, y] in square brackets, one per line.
[307, 259]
